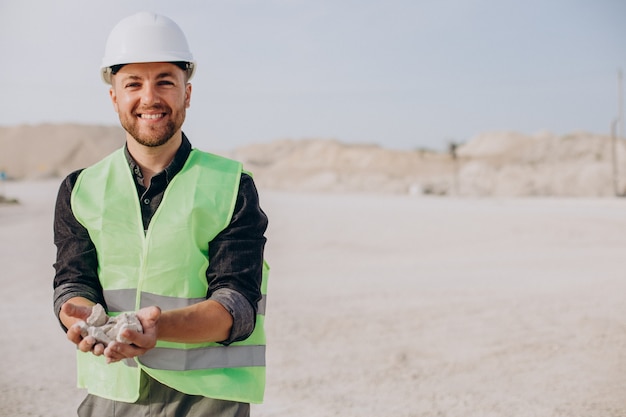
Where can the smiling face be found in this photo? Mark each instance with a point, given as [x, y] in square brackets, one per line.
[151, 100]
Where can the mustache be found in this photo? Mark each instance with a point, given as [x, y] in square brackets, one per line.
[154, 107]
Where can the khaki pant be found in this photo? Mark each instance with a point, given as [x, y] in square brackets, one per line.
[158, 400]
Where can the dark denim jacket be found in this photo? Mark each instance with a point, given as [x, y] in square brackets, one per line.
[236, 253]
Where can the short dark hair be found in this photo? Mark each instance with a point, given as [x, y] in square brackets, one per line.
[116, 68]
[183, 65]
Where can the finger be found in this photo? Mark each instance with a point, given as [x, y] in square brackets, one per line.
[149, 316]
[98, 349]
[141, 340]
[73, 310]
[74, 334]
[87, 344]
[112, 356]
[117, 351]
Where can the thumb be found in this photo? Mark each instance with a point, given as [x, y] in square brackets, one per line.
[76, 311]
[149, 314]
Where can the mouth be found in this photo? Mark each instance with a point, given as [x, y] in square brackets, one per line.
[151, 116]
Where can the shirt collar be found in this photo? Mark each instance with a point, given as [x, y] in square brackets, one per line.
[171, 170]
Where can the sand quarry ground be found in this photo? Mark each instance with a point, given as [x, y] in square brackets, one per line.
[382, 305]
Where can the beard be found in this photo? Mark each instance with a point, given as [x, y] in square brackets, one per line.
[153, 136]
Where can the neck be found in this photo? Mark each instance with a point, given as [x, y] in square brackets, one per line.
[153, 159]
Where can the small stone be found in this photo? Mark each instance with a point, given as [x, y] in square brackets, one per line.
[98, 316]
[107, 329]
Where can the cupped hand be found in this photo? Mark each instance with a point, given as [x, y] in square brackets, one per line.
[80, 313]
[140, 343]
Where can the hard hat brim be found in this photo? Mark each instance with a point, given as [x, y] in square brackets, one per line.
[106, 73]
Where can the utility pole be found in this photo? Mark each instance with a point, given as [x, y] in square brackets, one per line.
[616, 190]
[617, 134]
[620, 104]
[3, 178]
[452, 149]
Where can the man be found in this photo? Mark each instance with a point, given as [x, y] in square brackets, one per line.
[167, 231]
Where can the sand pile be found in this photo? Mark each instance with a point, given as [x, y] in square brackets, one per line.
[328, 165]
[510, 164]
[49, 150]
[491, 164]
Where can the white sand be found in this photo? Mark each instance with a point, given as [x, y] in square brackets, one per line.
[383, 306]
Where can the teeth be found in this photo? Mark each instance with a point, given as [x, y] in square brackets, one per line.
[151, 116]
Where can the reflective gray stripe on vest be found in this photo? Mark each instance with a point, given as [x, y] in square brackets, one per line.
[124, 300]
[120, 300]
[130, 362]
[261, 305]
[166, 302]
[212, 357]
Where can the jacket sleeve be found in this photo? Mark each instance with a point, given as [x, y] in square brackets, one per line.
[236, 261]
[76, 266]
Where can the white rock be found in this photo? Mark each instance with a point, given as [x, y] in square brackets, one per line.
[107, 329]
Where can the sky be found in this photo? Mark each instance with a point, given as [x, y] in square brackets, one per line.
[403, 74]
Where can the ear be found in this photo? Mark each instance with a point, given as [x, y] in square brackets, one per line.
[187, 95]
[113, 98]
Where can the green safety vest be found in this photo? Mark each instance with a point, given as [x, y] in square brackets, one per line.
[166, 266]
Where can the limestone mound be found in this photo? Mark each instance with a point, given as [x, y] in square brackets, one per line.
[491, 164]
[51, 150]
[329, 165]
[509, 164]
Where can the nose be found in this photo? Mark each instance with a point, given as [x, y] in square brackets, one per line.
[149, 95]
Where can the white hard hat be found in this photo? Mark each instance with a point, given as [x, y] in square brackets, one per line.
[145, 37]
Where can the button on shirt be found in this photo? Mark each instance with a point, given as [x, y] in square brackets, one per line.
[151, 196]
